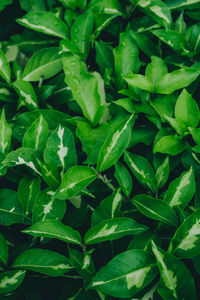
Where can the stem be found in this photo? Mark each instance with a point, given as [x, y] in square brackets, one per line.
[41, 81]
[106, 181]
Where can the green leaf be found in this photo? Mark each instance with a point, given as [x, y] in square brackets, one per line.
[3, 252]
[104, 56]
[112, 229]
[177, 4]
[28, 189]
[60, 149]
[124, 178]
[74, 181]
[44, 63]
[27, 94]
[54, 229]
[141, 169]
[126, 57]
[5, 134]
[176, 80]
[87, 88]
[170, 144]
[187, 110]
[45, 22]
[195, 132]
[155, 70]
[193, 37]
[92, 139]
[126, 274]
[4, 3]
[139, 81]
[45, 207]
[5, 71]
[155, 209]
[81, 262]
[181, 190]
[157, 10]
[108, 208]
[180, 24]
[36, 135]
[10, 209]
[144, 43]
[186, 240]
[115, 144]
[162, 173]
[81, 31]
[43, 261]
[50, 174]
[10, 280]
[106, 7]
[176, 282]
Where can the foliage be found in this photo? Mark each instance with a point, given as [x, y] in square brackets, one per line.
[100, 149]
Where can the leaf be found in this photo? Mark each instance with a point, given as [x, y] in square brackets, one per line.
[5, 71]
[181, 190]
[45, 207]
[193, 37]
[141, 169]
[27, 94]
[124, 178]
[104, 56]
[173, 285]
[155, 209]
[36, 135]
[22, 156]
[45, 63]
[162, 173]
[112, 229]
[43, 261]
[87, 88]
[186, 240]
[45, 22]
[54, 229]
[60, 148]
[10, 280]
[125, 57]
[115, 144]
[126, 274]
[4, 3]
[92, 139]
[50, 174]
[144, 43]
[3, 252]
[195, 133]
[74, 181]
[139, 81]
[5, 134]
[187, 110]
[108, 208]
[170, 144]
[77, 259]
[180, 24]
[176, 80]
[28, 189]
[177, 4]
[81, 31]
[157, 10]
[155, 70]
[107, 7]
[10, 209]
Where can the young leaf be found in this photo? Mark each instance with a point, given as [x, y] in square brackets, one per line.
[77, 259]
[162, 173]
[54, 229]
[170, 144]
[109, 208]
[36, 135]
[45, 63]
[43, 261]
[74, 181]
[5, 134]
[155, 70]
[27, 94]
[3, 252]
[181, 190]
[139, 81]
[47, 208]
[5, 71]
[173, 285]
[60, 148]
[186, 240]
[126, 274]
[125, 57]
[115, 144]
[10, 280]
[187, 110]
[50, 174]
[155, 209]
[45, 22]
[141, 169]
[87, 88]
[112, 229]
[124, 178]
[28, 189]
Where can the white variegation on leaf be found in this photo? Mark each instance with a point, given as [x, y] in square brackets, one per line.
[27, 94]
[5, 70]
[10, 280]
[5, 134]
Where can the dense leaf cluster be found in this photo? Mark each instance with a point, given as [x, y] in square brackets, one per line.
[99, 149]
